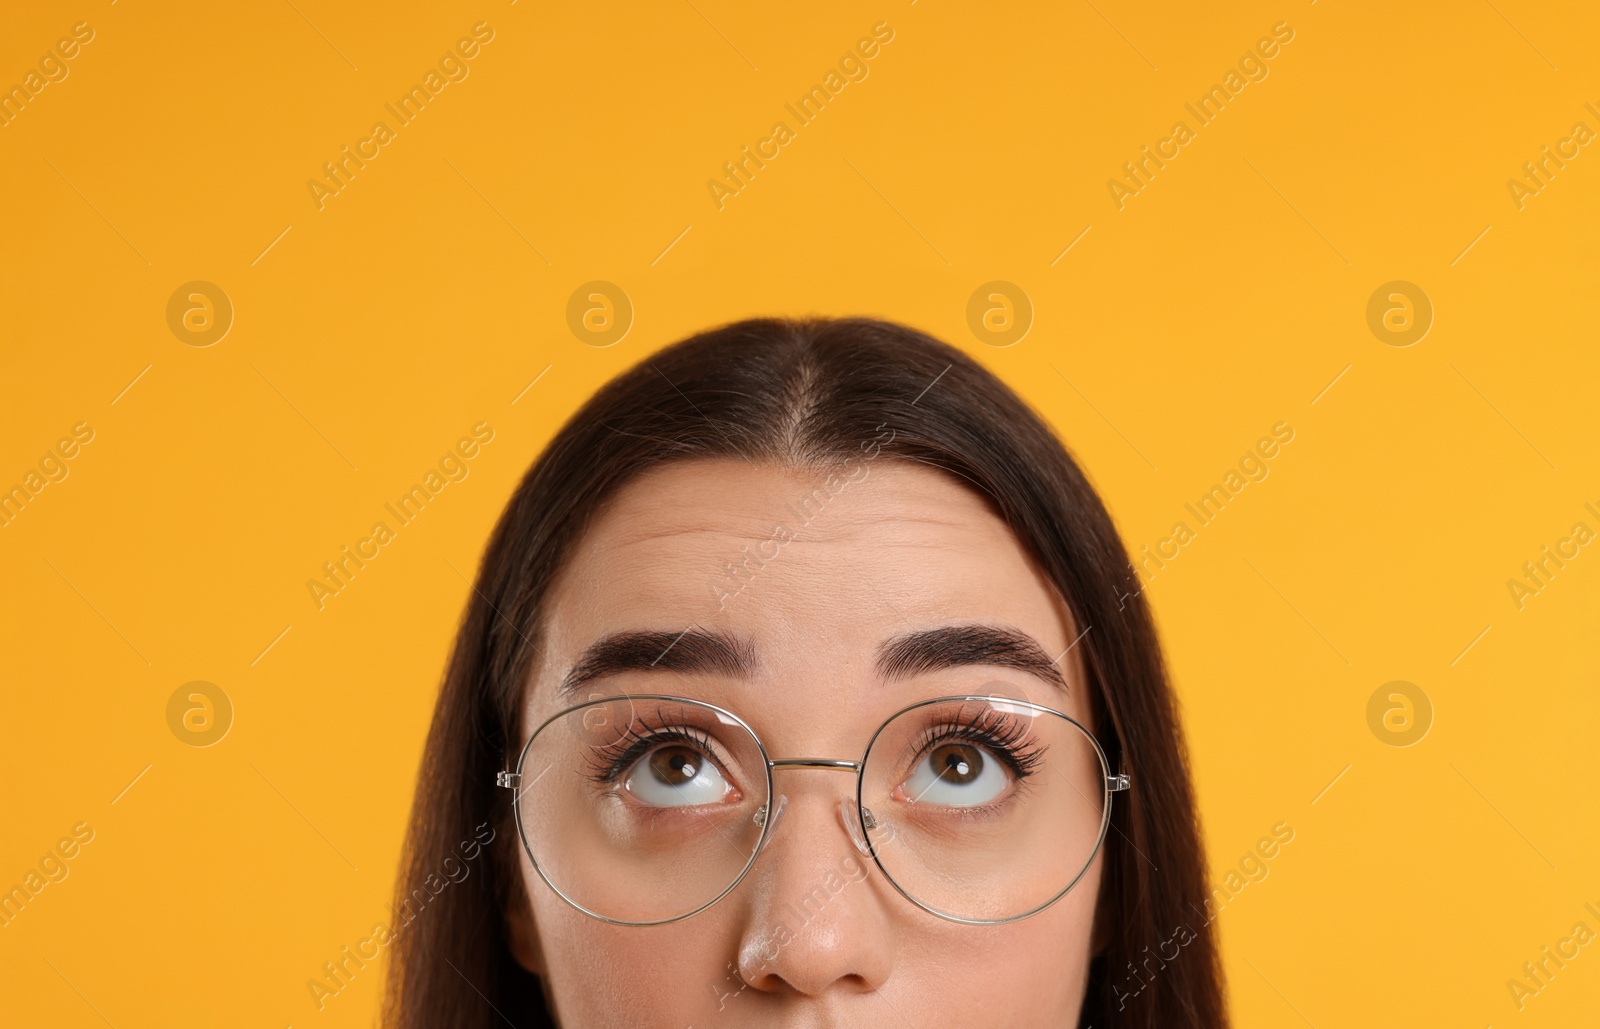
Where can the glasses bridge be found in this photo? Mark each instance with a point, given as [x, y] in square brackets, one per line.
[818, 762]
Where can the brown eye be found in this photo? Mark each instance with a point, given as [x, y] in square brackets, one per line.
[675, 766]
[957, 763]
[956, 773]
[678, 775]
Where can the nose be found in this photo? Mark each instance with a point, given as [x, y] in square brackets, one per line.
[817, 918]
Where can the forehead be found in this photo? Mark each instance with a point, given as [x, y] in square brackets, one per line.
[815, 568]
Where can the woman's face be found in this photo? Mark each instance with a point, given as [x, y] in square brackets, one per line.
[887, 548]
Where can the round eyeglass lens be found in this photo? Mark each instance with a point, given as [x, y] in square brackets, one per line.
[984, 809]
[641, 809]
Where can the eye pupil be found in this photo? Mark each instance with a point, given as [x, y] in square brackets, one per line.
[958, 763]
[674, 765]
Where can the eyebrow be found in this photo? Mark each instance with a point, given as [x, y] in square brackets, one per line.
[953, 646]
[692, 650]
[900, 657]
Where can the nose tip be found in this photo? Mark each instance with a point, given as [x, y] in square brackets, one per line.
[815, 923]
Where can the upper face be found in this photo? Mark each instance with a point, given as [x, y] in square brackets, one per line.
[822, 574]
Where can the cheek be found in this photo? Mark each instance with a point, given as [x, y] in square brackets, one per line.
[1039, 965]
[1031, 972]
[604, 975]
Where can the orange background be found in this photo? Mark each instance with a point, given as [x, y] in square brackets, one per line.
[1166, 337]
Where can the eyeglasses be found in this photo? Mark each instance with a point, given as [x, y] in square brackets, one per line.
[642, 809]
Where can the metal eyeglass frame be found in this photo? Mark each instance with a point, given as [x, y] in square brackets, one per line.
[1114, 783]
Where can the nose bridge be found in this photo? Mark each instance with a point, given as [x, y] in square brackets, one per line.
[852, 817]
[774, 809]
[812, 918]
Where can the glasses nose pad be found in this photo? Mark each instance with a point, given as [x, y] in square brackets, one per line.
[852, 823]
[770, 819]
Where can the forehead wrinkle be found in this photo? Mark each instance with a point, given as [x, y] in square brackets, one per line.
[866, 524]
[670, 493]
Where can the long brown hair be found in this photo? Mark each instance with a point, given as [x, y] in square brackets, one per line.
[802, 392]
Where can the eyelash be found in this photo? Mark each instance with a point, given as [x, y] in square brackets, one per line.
[1006, 738]
[613, 759]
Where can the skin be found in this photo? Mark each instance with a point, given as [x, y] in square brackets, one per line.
[900, 546]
